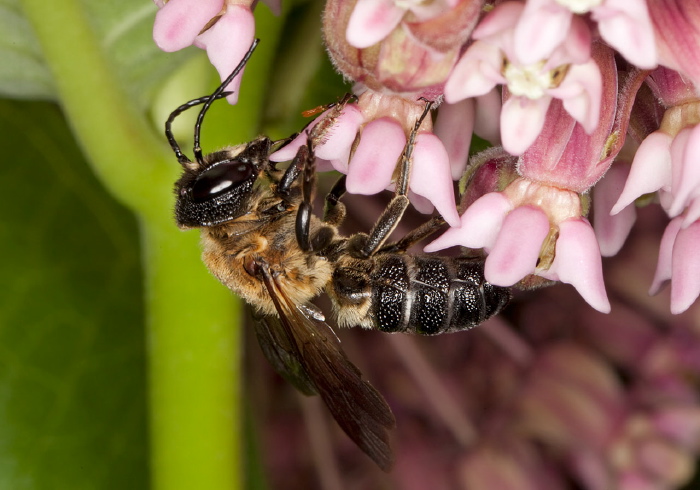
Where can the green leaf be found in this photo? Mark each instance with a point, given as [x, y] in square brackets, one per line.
[124, 32]
[72, 359]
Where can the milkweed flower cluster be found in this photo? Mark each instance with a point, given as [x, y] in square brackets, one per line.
[540, 80]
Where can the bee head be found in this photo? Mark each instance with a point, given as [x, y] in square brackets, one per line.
[220, 189]
[216, 188]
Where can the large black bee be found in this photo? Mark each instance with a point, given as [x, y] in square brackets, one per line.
[261, 240]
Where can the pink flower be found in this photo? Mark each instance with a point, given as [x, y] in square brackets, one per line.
[623, 24]
[568, 74]
[384, 122]
[400, 47]
[223, 28]
[678, 37]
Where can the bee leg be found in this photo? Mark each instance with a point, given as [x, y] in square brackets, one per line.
[334, 211]
[415, 236]
[365, 245]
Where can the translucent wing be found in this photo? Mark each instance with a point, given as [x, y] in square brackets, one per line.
[303, 341]
[274, 343]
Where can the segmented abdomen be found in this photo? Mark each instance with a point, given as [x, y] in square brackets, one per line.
[421, 294]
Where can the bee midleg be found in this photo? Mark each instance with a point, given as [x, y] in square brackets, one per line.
[415, 235]
[362, 245]
[334, 210]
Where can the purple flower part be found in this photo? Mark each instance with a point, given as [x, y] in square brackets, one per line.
[591, 467]
[430, 176]
[578, 262]
[664, 264]
[179, 22]
[672, 88]
[522, 120]
[685, 269]
[372, 166]
[632, 480]
[678, 37]
[454, 125]
[517, 248]
[685, 181]
[481, 223]
[542, 27]
[680, 424]
[612, 230]
[626, 26]
[651, 170]
[227, 42]
[371, 21]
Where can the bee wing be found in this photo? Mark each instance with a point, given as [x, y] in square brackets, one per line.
[274, 343]
[359, 409]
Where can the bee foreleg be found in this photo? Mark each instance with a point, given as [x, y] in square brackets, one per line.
[334, 210]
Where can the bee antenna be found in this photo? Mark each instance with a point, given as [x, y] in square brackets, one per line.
[168, 124]
[216, 95]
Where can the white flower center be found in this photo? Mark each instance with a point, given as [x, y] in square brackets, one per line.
[532, 81]
[580, 6]
[410, 4]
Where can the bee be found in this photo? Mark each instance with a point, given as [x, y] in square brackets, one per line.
[261, 239]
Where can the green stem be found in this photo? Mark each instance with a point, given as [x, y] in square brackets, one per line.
[194, 342]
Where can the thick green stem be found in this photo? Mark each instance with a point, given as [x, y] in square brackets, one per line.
[194, 341]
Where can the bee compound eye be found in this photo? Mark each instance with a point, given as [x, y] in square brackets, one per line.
[220, 179]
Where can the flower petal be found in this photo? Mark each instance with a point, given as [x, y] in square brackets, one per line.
[373, 163]
[612, 231]
[625, 25]
[522, 120]
[227, 42]
[476, 73]
[342, 135]
[179, 22]
[651, 170]
[685, 281]
[517, 247]
[453, 126]
[578, 262]
[371, 21]
[663, 265]
[542, 27]
[481, 223]
[685, 151]
[581, 92]
[430, 176]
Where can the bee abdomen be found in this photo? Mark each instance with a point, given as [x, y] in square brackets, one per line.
[431, 295]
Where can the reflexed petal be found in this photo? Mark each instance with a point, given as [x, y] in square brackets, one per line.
[685, 167]
[541, 28]
[500, 20]
[180, 21]
[612, 231]
[685, 269]
[481, 223]
[521, 122]
[373, 163]
[692, 213]
[371, 21]
[625, 25]
[577, 262]
[453, 126]
[287, 153]
[430, 176]
[517, 247]
[664, 263]
[651, 170]
[227, 42]
[476, 73]
[342, 134]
